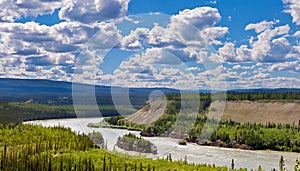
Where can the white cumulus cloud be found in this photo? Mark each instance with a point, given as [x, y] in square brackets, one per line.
[270, 45]
[15, 9]
[91, 11]
[293, 7]
[261, 26]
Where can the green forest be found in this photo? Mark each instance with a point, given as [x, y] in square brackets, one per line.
[287, 96]
[131, 142]
[22, 111]
[19, 112]
[281, 137]
[28, 147]
[36, 148]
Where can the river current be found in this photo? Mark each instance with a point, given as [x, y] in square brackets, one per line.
[193, 152]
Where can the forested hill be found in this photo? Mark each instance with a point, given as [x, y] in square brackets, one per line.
[263, 123]
[60, 92]
[45, 99]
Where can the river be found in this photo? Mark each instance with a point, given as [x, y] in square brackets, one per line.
[194, 153]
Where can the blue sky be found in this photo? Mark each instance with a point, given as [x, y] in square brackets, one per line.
[153, 43]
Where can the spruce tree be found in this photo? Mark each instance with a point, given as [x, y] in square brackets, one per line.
[281, 164]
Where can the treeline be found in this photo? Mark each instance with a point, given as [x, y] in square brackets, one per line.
[117, 122]
[18, 112]
[206, 98]
[179, 106]
[281, 137]
[35, 148]
[288, 96]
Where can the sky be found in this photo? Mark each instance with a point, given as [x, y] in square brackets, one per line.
[194, 44]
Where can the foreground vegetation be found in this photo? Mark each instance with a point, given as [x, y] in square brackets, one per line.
[35, 148]
[27, 147]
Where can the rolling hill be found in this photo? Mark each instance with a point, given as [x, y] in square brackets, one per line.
[262, 112]
[60, 92]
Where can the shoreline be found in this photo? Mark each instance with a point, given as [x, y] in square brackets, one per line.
[218, 143]
[166, 145]
[189, 142]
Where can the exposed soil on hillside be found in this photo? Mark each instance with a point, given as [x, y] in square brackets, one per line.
[239, 111]
[150, 113]
[262, 112]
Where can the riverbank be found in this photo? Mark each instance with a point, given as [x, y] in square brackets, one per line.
[179, 137]
[32, 147]
[230, 134]
[198, 154]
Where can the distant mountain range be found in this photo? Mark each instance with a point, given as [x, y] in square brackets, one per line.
[60, 92]
[25, 86]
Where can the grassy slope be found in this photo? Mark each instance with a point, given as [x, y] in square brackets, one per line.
[239, 111]
[262, 112]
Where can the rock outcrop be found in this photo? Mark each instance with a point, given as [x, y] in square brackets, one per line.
[136, 144]
[232, 144]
